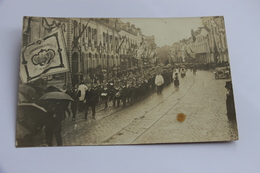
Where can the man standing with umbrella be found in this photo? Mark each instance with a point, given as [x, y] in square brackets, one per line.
[30, 120]
[53, 125]
[27, 92]
[55, 116]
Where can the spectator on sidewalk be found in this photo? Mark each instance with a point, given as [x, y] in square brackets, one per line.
[66, 104]
[53, 125]
[74, 94]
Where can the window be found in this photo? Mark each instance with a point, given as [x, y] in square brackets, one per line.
[89, 33]
[76, 28]
[89, 60]
[104, 37]
[94, 61]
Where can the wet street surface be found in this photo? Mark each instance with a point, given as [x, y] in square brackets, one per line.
[153, 119]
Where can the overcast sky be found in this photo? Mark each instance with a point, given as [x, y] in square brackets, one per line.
[166, 30]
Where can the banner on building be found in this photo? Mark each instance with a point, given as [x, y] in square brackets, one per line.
[44, 57]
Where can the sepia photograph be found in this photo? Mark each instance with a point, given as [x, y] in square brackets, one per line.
[124, 81]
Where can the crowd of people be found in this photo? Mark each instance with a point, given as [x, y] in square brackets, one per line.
[113, 90]
[118, 90]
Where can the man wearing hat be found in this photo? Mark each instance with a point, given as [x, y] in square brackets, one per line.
[176, 80]
[124, 93]
[117, 95]
[104, 94]
[91, 98]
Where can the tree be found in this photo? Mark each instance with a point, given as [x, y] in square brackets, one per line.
[163, 54]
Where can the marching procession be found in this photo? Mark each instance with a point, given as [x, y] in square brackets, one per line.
[119, 89]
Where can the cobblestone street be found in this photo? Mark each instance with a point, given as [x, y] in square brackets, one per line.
[153, 119]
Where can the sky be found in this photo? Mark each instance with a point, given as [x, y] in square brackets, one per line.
[166, 30]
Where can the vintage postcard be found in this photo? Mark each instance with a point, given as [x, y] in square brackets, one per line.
[120, 81]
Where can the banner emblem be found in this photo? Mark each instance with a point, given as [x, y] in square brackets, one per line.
[44, 57]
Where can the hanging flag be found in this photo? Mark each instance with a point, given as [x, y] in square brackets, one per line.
[216, 52]
[206, 27]
[214, 24]
[85, 43]
[187, 54]
[193, 36]
[100, 48]
[44, 57]
[152, 54]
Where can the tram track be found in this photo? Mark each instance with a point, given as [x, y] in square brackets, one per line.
[153, 108]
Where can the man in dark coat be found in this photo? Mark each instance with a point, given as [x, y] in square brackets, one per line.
[117, 96]
[130, 90]
[91, 98]
[74, 94]
[104, 95]
[124, 92]
[65, 103]
[230, 105]
[53, 125]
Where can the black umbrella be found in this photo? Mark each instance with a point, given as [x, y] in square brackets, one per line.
[39, 90]
[52, 89]
[27, 91]
[31, 116]
[56, 96]
[21, 98]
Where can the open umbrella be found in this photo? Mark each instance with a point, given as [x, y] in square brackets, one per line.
[52, 89]
[31, 116]
[56, 96]
[39, 90]
[31, 107]
[27, 90]
[24, 137]
[21, 98]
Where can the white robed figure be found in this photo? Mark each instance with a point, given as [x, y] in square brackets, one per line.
[82, 88]
[159, 81]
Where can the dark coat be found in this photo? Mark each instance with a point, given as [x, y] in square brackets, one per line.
[92, 96]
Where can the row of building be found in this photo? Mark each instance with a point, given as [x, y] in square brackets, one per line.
[94, 44]
[206, 45]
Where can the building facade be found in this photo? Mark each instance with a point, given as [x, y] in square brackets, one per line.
[93, 44]
[218, 50]
[207, 44]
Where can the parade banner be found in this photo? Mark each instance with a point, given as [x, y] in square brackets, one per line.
[44, 57]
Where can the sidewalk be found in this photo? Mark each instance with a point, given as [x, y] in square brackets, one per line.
[70, 126]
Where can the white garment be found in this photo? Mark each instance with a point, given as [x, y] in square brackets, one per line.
[159, 80]
[82, 88]
[173, 74]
